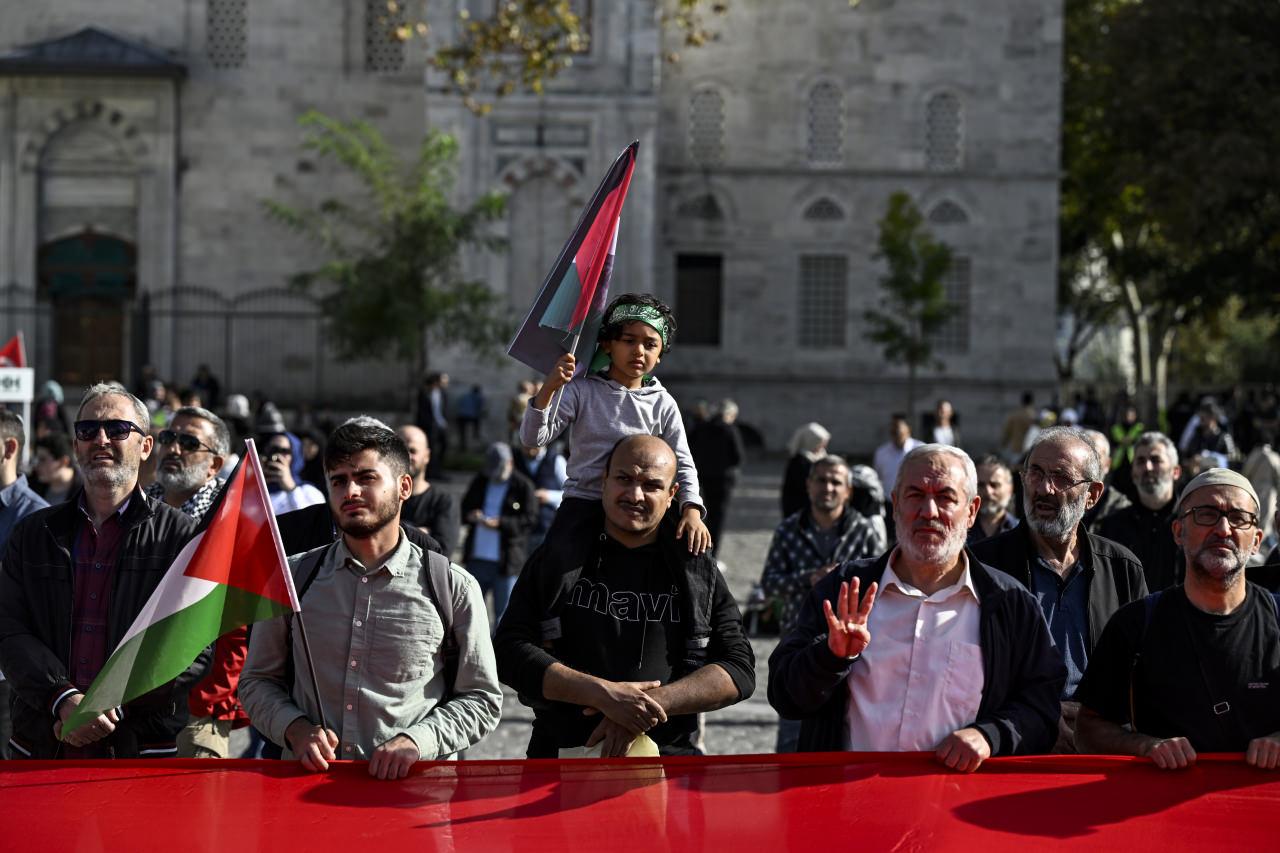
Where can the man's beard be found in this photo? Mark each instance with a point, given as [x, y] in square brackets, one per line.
[180, 479]
[935, 553]
[1058, 528]
[1156, 485]
[123, 473]
[383, 514]
[1228, 569]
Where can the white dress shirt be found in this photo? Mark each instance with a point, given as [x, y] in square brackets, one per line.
[920, 678]
[888, 458]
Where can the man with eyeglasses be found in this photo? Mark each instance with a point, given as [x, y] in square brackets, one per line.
[1145, 528]
[1196, 667]
[74, 578]
[1080, 579]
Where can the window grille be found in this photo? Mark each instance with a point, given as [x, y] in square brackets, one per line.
[823, 210]
[953, 337]
[227, 31]
[826, 124]
[948, 213]
[706, 127]
[824, 293]
[383, 49]
[944, 132]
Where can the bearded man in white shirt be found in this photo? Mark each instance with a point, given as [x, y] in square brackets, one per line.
[941, 654]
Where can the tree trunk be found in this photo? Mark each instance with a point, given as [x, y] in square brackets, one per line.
[1140, 323]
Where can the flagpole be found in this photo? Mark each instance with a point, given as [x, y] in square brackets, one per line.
[251, 455]
[555, 406]
[311, 668]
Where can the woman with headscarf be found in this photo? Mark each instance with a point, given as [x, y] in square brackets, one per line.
[808, 444]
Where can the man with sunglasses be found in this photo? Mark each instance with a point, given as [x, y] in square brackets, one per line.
[192, 450]
[74, 578]
[1196, 667]
[1080, 579]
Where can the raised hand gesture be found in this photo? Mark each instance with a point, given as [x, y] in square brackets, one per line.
[847, 632]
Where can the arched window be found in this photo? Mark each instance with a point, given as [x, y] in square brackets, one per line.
[947, 212]
[826, 123]
[227, 32]
[383, 48]
[823, 210]
[943, 132]
[706, 127]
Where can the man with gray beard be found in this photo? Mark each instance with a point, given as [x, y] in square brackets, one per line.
[192, 450]
[1078, 578]
[995, 487]
[941, 654]
[1145, 528]
[1193, 668]
[74, 578]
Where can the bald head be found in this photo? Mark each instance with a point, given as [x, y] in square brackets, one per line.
[649, 449]
[419, 451]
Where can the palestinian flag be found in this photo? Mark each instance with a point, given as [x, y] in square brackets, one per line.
[574, 294]
[232, 572]
[14, 353]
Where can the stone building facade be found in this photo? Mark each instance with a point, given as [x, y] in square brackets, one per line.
[766, 159]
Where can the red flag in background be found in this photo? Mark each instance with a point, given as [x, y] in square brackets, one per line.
[14, 353]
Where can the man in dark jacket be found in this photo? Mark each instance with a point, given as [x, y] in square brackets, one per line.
[74, 578]
[500, 511]
[639, 640]
[1146, 527]
[942, 653]
[717, 451]
[1079, 579]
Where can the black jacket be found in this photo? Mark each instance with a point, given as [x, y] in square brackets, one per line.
[519, 517]
[1148, 533]
[1117, 574]
[1023, 674]
[35, 622]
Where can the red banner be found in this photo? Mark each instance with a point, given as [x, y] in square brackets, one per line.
[742, 804]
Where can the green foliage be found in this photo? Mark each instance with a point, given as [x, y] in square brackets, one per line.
[392, 274]
[913, 307]
[1169, 126]
[1227, 347]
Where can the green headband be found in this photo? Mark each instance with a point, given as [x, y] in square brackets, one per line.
[629, 311]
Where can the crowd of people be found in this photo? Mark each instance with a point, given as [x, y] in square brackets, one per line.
[1067, 592]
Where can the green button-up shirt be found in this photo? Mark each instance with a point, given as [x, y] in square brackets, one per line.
[376, 639]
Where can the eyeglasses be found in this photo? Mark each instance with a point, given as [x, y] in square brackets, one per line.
[1035, 476]
[1209, 516]
[189, 443]
[116, 430]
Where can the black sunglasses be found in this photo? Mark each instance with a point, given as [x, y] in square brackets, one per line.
[116, 430]
[186, 441]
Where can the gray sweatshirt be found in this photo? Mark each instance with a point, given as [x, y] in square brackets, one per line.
[599, 412]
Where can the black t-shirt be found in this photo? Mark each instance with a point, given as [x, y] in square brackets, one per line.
[435, 510]
[1214, 680]
[629, 606]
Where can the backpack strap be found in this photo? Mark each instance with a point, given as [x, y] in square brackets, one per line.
[438, 578]
[308, 568]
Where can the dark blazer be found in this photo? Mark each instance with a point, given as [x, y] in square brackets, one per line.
[36, 620]
[1117, 573]
[1023, 674]
[519, 517]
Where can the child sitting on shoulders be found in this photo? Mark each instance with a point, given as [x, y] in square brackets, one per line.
[606, 405]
